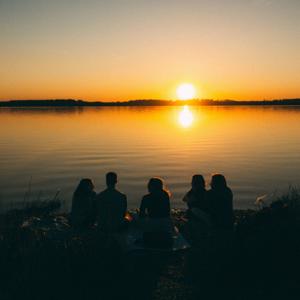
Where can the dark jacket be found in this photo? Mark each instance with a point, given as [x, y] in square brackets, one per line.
[83, 209]
[221, 208]
[196, 199]
[155, 205]
[111, 206]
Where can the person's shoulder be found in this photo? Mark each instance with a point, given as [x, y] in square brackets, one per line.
[101, 194]
[186, 196]
[121, 195]
[146, 198]
[229, 191]
[166, 193]
[204, 191]
[209, 192]
[189, 193]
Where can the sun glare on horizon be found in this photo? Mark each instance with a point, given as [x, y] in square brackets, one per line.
[186, 91]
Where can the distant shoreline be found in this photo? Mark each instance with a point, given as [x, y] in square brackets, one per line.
[146, 102]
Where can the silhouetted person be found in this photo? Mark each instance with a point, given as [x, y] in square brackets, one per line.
[155, 216]
[220, 203]
[83, 204]
[111, 206]
[196, 196]
[199, 223]
[156, 204]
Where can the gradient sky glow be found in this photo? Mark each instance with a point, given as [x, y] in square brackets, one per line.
[137, 49]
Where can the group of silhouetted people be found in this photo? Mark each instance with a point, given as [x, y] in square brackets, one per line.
[214, 206]
[108, 209]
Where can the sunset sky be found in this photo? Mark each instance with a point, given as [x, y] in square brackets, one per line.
[139, 49]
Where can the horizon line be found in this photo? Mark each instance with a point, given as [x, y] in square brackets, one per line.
[146, 99]
[145, 102]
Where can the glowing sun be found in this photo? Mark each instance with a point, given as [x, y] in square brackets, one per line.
[186, 91]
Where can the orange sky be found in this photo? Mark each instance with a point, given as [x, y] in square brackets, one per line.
[121, 50]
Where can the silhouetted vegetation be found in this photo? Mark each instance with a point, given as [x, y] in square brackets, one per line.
[42, 257]
[143, 102]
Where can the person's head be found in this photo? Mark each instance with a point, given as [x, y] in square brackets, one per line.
[85, 185]
[198, 182]
[218, 182]
[111, 179]
[155, 185]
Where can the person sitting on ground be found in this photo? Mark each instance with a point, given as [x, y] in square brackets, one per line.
[199, 219]
[156, 204]
[220, 201]
[111, 206]
[155, 215]
[196, 196]
[83, 204]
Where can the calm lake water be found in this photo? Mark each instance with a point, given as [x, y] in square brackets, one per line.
[256, 148]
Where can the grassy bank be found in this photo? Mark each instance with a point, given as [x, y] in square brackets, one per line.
[42, 257]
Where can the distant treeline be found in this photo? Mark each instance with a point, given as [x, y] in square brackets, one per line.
[145, 102]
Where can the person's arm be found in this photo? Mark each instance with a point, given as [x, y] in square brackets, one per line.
[188, 199]
[194, 199]
[125, 206]
[185, 198]
[73, 210]
[231, 207]
[99, 209]
[168, 204]
[143, 208]
[93, 208]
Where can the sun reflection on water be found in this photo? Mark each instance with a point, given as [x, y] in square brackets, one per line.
[186, 117]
